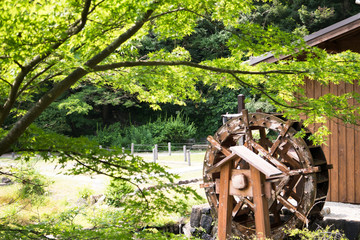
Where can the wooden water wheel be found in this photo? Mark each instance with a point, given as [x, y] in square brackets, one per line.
[293, 198]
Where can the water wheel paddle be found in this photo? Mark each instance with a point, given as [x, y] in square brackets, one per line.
[293, 197]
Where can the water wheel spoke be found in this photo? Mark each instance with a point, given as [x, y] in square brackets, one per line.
[218, 146]
[237, 208]
[293, 209]
[295, 196]
[292, 184]
[276, 213]
[290, 160]
[288, 190]
[281, 185]
[216, 167]
[242, 212]
[285, 146]
[280, 137]
[266, 154]
[268, 142]
[248, 134]
[249, 203]
[263, 138]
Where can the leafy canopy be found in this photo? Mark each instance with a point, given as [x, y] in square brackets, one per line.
[48, 47]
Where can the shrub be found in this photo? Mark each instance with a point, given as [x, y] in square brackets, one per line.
[174, 129]
[33, 184]
[85, 193]
[116, 192]
[318, 234]
[108, 136]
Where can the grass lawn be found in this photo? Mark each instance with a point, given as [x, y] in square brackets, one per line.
[65, 189]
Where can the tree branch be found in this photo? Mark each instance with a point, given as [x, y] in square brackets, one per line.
[6, 82]
[33, 78]
[17, 63]
[106, 67]
[21, 125]
[75, 29]
[265, 93]
[116, 177]
[165, 13]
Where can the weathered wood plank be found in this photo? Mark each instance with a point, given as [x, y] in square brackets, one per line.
[262, 221]
[334, 154]
[342, 154]
[325, 89]
[310, 93]
[225, 203]
[350, 159]
[256, 161]
[357, 154]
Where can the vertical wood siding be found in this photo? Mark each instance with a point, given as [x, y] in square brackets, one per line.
[342, 149]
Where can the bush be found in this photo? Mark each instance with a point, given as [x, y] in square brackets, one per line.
[108, 136]
[116, 192]
[318, 234]
[138, 135]
[85, 193]
[174, 129]
[33, 184]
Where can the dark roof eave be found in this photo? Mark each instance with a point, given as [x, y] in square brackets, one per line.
[318, 37]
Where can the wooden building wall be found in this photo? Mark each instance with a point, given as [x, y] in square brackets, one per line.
[342, 149]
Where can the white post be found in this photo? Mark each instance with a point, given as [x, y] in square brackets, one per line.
[188, 155]
[123, 150]
[169, 148]
[184, 148]
[156, 152]
[132, 148]
[154, 155]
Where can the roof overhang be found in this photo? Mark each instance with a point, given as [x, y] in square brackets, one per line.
[331, 32]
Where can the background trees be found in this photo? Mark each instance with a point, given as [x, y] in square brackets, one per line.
[67, 59]
[95, 55]
[103, 105]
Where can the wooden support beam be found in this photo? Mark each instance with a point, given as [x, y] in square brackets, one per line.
[225, 202]
[237, 208]
[261, 211]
